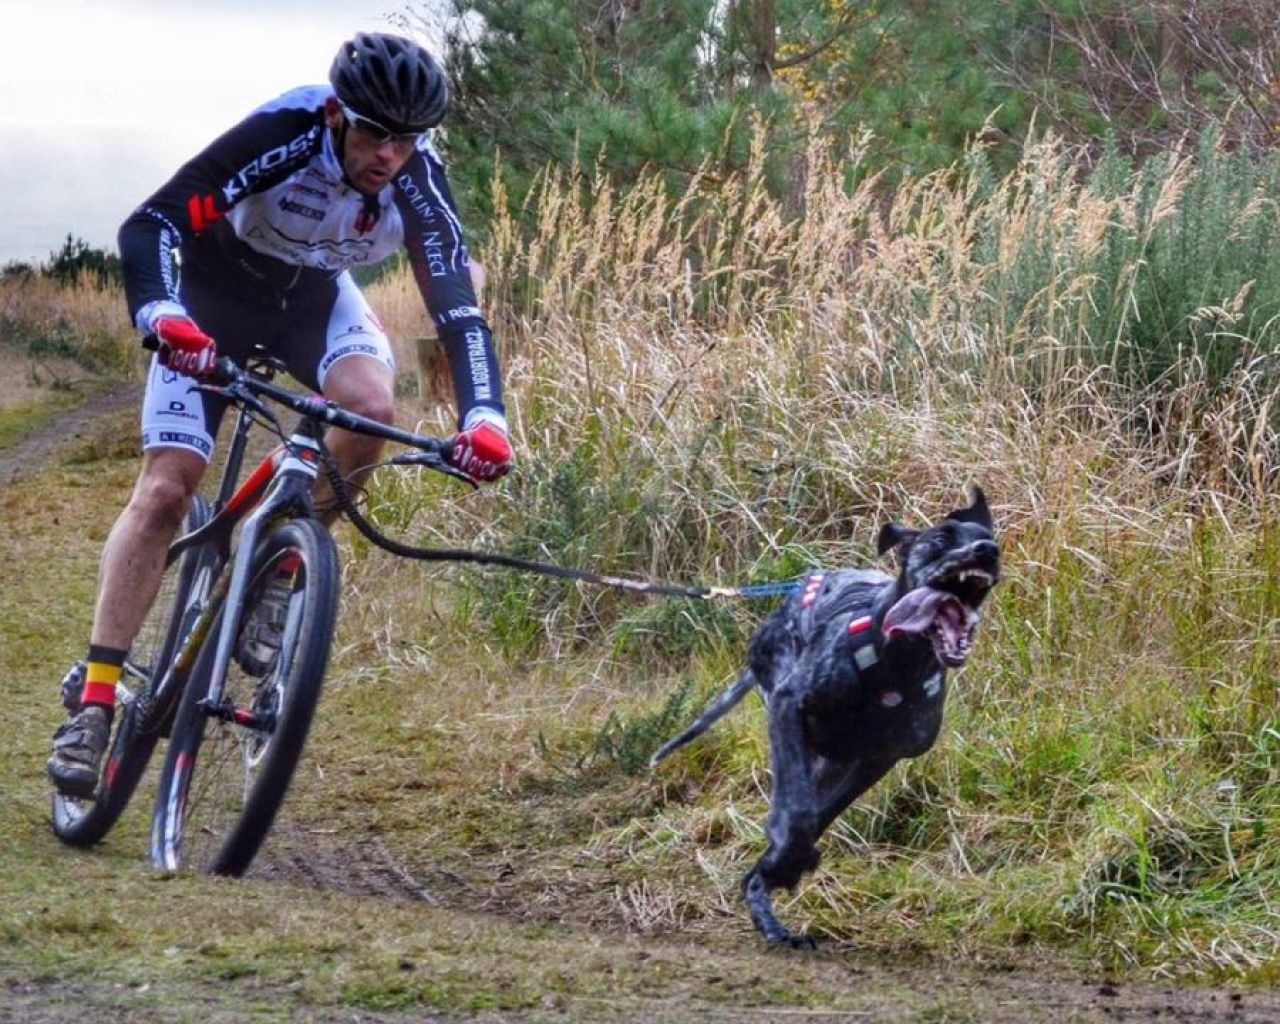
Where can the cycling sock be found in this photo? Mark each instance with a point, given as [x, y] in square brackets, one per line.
[105, 667]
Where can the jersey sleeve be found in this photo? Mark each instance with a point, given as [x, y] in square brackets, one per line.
[258, 152]
[442, 268]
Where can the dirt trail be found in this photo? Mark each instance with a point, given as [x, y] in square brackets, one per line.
[54, 437]
[994, 993]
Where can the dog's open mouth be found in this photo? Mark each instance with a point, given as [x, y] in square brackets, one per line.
[946, 608]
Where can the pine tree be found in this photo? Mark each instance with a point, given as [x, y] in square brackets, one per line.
[623, 83]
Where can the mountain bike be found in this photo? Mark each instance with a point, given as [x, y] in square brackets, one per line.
[230, 662]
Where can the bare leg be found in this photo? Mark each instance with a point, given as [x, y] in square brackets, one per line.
[133, 557]
[366, 386]
[129, 575]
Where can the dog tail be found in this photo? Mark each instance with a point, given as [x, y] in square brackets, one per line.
[723, 705]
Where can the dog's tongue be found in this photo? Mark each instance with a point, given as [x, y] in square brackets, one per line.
[915, 611]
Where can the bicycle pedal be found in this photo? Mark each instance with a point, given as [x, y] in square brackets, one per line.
[72, 685]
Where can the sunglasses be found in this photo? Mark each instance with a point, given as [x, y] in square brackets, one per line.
[376, 132]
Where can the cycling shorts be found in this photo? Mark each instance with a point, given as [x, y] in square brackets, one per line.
[310, 330]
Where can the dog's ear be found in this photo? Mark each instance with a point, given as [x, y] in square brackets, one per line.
[891, 535]
[977, 512]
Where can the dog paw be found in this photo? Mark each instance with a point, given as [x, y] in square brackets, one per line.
[793, 940]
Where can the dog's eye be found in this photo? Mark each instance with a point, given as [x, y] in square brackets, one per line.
[942, 537]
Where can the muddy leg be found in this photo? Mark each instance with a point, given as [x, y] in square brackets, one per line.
[792, 826]
[838, 784]
[835, 785]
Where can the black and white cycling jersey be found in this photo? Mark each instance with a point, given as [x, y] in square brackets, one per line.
[266, 207]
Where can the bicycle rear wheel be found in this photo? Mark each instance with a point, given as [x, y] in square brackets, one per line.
[228, 767]
[142, 712]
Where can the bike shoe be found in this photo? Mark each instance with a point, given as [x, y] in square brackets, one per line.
[78, 746]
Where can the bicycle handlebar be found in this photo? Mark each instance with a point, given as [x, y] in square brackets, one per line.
[228, 375]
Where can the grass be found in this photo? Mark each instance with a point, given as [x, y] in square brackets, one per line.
[20, 421]
[704, 391]
[395, 767]
[84, 322]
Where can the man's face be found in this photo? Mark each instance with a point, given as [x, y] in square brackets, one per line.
[368, 160]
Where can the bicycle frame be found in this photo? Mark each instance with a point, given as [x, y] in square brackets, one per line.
[293, 476]
[277, 490]
[279, 487]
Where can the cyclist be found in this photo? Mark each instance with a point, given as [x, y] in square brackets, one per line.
[268, 221]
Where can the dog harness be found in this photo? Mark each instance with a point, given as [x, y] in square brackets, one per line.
[861, 631]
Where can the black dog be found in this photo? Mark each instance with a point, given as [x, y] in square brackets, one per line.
[853, 671]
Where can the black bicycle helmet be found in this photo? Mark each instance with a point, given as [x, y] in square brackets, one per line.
[392, 80]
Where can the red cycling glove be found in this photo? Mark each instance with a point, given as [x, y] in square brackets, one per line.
[482, 452]
[184, 347]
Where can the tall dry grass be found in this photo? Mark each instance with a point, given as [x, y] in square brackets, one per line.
[84, 323]
[705, 389]
[779, 382]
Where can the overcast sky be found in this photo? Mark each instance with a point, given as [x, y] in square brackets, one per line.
[101, 100]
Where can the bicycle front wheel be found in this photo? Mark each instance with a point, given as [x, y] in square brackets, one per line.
[229, 766]
[142, 710]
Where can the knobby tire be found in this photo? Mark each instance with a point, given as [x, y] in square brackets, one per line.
[223, 783]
